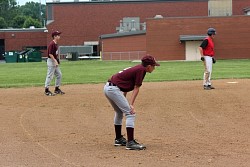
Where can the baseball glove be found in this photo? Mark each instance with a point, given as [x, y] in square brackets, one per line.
[202, 58]
[214, 60]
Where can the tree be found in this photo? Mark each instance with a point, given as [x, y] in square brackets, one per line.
[18, 21]
[32, 22]
[2, 23]
[34, 10]
[8, 10]
[14, 14]
[12, 3]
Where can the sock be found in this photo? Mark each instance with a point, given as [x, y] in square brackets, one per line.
[130, 134]
[46, 89]
[57, 88]
[118, 131]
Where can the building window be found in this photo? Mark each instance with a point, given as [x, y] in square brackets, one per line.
[50, 12]
[220, 8]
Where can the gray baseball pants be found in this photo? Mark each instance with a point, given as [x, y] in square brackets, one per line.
[53, 70]
[120, 104]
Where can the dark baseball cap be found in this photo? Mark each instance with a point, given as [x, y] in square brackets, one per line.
[54, 33]
[149, 60]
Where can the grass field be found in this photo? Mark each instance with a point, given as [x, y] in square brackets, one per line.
[95, 71]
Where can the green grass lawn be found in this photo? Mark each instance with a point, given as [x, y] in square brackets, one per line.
[95, 71]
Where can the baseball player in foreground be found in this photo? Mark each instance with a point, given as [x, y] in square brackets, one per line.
[53, 66]
[115, 90]
[207, 56]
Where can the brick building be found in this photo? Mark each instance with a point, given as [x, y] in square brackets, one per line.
[181, 43]
[178, 38]
[85, 22]
[95, 23]
[21, 39]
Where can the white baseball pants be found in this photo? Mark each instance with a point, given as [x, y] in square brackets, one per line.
[208, 71]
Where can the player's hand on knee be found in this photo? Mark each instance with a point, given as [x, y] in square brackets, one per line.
[132, 109]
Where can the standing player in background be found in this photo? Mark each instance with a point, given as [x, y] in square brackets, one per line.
[53, 66]
[207, 56]
[129, 79]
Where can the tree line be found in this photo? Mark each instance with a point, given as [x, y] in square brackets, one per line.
[13, 15]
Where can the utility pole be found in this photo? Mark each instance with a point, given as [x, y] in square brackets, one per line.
[40, 13]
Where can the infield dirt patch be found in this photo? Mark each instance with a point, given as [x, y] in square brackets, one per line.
[181, 124]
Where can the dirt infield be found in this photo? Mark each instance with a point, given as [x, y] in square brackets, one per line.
[181, 124]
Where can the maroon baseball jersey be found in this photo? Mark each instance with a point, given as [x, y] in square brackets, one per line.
[129, 77]
[53, 49]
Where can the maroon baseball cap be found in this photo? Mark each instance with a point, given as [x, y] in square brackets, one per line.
[149, 60]
[54, 33]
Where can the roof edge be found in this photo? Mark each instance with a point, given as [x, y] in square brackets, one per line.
[192, 37]
[124, 1]
[24, 30]
[123, 34]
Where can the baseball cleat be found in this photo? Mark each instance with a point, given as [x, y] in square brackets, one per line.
[211, 87]
[59, 91]
[133, 145]
[49, 93]
[206, 88]
[120, 142]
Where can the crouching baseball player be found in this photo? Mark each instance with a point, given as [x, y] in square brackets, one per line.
[207, 56]
[115, 90]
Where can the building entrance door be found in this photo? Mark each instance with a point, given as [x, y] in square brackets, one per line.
[192, 51]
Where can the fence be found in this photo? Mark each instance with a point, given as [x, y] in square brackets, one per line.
[133, 55]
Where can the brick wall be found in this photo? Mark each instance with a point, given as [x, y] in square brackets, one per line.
[81, 22]
[231, 42]
[239, 5]
[19, 40]
[2, 35]
[124, 48]
[86, 21]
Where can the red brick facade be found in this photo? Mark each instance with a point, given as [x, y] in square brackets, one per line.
[231, 42]
[87, 21]
[18, 40]
[81, 22]
[239, 5]
[124, 48]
